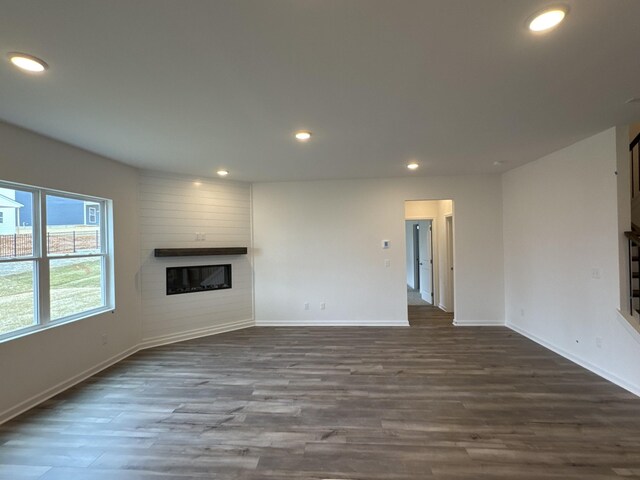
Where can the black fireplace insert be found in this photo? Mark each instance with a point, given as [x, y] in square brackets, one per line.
[198, 279]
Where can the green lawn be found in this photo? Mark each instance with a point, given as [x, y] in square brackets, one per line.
[75, 287]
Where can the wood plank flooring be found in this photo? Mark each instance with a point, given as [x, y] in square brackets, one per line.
[433, 402]
[426, 315]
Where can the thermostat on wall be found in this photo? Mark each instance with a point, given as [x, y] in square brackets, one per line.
[385, 243]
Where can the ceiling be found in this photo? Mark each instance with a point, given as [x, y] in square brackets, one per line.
[192, 86]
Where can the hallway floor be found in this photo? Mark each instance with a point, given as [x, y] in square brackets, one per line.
[414, 298]
[426, 315]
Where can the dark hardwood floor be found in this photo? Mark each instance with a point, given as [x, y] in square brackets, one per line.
[434, 402]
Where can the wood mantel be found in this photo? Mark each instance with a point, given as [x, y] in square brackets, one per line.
[192, 252]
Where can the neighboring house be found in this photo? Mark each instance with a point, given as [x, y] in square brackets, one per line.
[91, 213]
[9, 212]
[60, 211]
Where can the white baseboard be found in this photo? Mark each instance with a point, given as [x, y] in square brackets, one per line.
[478, 323]
[635, 389]
[196, 333]
[332, 323]
[31, 402]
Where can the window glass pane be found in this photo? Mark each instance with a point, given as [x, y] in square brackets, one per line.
[16, 223]
[73, 226]
[76, 286]
[17, 299]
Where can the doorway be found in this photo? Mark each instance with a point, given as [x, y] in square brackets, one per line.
[429, 230]
[420, 262]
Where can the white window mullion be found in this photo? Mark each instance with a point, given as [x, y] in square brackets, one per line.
[40, 233]
[108, 290]
[105, 282]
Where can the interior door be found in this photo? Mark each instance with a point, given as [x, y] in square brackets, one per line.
[426, 261]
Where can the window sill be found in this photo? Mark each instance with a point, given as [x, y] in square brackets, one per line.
[24, 332]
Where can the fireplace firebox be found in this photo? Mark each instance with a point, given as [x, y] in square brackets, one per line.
[198, 279]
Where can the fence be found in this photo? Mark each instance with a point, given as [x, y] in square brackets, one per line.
[21, 244]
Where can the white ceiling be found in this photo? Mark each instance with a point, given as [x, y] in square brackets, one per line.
[194, 85]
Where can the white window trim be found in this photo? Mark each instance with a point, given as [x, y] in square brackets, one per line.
[41, 260]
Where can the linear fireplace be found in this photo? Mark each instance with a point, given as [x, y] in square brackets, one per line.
[198, 279]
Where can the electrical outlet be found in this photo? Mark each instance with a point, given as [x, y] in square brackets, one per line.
[387, 262]
[104, 338]
[599, 342]
[323, 306]
[306, 306]
[595, 273]
[522, 312]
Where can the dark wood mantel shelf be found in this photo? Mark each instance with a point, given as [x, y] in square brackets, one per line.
[191, 252]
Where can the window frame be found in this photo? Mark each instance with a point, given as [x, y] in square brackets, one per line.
[41, 259]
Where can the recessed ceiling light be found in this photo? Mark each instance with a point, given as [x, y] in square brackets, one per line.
[303, 135]
[197, 183]
[497, 163]
[223, 173]
[547, 19]
[412, 166]
[28, 63]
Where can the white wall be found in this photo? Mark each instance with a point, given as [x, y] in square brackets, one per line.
[173, 209]
[561, 229]
[421, 209]
[634, 130]
[321, 242]
[33, 366]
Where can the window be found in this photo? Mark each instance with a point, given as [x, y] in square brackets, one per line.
[54, 265]
[93, 215]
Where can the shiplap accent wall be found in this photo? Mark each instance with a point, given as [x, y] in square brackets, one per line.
[173, 210]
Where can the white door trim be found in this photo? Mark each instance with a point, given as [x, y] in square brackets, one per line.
[450, 260]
